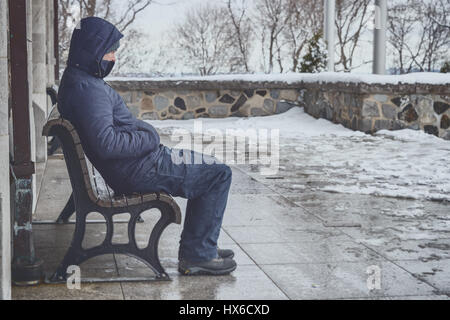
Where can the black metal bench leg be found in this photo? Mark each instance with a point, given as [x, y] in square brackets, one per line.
[152, 249]
[54, 144]
[67, 212]
[149, 255]
[74, 255]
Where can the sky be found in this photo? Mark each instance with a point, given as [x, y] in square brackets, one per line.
[161, 14]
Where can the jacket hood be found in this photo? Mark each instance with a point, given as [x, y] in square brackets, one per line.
[91, 40]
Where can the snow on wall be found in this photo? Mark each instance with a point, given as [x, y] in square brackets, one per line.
[326, 77]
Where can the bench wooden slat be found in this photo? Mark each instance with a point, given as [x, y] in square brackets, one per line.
[149, 197]
[134, 199]
[49, 125]
[80, 151]
[75, 137]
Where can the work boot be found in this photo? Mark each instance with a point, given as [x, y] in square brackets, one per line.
[222, 253]
[225, 253]
[214, 267]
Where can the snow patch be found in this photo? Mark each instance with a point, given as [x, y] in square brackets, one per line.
[406, 163]
[294, 123]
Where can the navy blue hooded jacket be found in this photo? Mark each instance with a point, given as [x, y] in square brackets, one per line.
[121, 147]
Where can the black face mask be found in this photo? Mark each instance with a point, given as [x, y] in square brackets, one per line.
[106, 68]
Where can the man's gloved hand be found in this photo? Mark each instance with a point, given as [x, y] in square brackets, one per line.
[144, 126]
[127, 128]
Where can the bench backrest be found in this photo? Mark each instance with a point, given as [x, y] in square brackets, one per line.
[83, 175]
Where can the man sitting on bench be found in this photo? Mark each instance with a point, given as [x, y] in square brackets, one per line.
[128, 154]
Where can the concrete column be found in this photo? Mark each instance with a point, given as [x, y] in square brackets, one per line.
[5, 216]
[51, 60]
[329, 31]
[379, 43]
[40, 82]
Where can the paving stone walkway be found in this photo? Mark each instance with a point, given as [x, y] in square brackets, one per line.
[290, 243]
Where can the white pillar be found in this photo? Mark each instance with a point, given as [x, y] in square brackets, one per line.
[329, 31]
[379, 42]
[50, 48]
[40, 76]
[5, 216]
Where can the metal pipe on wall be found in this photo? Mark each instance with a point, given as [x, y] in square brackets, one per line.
[329, 31]
[56, 37]
[379, 42]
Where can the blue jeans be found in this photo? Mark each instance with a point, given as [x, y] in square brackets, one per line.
[191, 175]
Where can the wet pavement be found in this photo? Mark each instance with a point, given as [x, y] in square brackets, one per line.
[292, 239]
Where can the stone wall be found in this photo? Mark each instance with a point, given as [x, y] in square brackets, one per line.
[220, 103]
[356, 105]
[382, 107]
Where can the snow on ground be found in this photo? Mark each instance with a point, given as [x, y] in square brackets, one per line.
[330, 77]
[292, 124]
[406, 163]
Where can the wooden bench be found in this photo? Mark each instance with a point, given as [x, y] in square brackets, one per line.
[92, 194]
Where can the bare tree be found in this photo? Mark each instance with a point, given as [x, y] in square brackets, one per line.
[305, 21]
[402, 22]
[437, 34]
[121, 16]
[272, 18]
[419, 35]
[203, 40]
[352, 17]
[66, 23]
[71, 11]
[444, 15]
[242, 30]
[133, 59]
